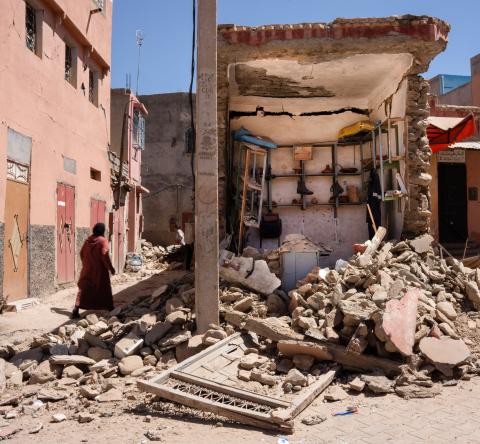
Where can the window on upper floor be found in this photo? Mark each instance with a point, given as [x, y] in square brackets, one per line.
[31, 34]
[95, 175]
[138, 129]
[70, 65]
[93, 86]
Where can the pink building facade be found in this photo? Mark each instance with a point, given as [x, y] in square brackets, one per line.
[54, 138]
[128, 141]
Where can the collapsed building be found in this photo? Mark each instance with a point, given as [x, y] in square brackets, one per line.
[299, 86]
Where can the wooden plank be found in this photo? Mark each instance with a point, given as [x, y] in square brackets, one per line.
[270, 330]
[338, 353]
[244, 200]
[193, 359]
[366, 257]
[230, 412]
[229, 390]
[308, 394]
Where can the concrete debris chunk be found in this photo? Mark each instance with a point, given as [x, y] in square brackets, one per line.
[335, 393]
[294, 377]
[71, 360]
[357, 385]
[416, 391]
[314, 420]
[303, 362]
[400, 322]
[252, 360]
[447, 309]
[238, 270]
[271, 328]
[42, 374]
[243, 305]
[157, 332]
[84, 418]
[422, 244]
[129, 364]
[444, 351]
[98, 353]
[111, 395]
[378, 384]
[473, 294]
[58, 417]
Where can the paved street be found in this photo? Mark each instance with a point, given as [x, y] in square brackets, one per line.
[452, 417]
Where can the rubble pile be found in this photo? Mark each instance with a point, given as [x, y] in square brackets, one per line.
[153, 258]
[397, 311]
[394, 318]
[88, 356]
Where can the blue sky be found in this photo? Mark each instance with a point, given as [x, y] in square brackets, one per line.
[167, 27]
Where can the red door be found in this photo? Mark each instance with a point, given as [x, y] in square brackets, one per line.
[119, 239]
[97, 212]
[65, 233]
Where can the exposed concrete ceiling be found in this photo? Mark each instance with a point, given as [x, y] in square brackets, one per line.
[361, 81]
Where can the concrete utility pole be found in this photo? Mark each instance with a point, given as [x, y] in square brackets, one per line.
[206, 170]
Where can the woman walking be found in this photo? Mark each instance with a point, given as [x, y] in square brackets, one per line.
[95, 290]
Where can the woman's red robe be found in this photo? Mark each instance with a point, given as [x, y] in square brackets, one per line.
[95, 290]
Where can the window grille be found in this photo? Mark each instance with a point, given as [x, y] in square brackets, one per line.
[31, 28]
[68, 64]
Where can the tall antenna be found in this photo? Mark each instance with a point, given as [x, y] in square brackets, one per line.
[139, 37]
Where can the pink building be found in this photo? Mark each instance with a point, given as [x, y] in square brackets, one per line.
[54, 137]
[128, 141]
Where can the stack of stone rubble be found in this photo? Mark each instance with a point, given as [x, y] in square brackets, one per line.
[398, 306]
[133, 340]
[154, 258]
[393, 316]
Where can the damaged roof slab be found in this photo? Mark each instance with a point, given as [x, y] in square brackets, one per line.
[349, 63]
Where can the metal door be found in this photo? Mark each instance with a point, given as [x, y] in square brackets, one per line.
[65, 233]
[119, 239]
[97, 212]
[15, 252]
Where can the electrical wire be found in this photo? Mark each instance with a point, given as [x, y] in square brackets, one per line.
[190, 94]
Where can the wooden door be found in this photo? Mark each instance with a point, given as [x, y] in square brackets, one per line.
[97, 212]
[15, 253]
[65, 233]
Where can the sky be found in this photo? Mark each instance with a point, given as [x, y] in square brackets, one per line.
[166, 26]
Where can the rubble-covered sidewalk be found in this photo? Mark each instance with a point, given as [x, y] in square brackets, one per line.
[394, 319]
